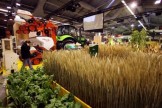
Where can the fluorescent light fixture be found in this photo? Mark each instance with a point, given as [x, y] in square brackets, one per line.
[8, 7]
[112, 27]
[128, 8]
[13, 13]
[133, 14]
[3, 10]
[57, 22]
[157, 2]
[5, 20]
[133, 5]
[18, 4]
[39, 17]
[142, 25]
[110, 3]
[3, 26]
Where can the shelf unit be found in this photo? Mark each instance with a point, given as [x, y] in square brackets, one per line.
[14, 44]
[0, 48]
[9, 53]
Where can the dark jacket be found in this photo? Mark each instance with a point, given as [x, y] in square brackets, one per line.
[25, 51]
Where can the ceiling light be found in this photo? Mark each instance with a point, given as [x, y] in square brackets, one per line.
[142, 25]
[10, 19]
[132, 25]
[56, 22]
[147, 14]
[6, 14]
[128, 8]
[38, 17]
[13, 13]
[133, 14]
[3, 26]
[133, 5]
[112, 27]
[157, 2]
[5, 20]
[110, 3]
[3, 10]
[18, 4]
[8, 7]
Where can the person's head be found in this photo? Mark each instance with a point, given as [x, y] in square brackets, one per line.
[27, 42]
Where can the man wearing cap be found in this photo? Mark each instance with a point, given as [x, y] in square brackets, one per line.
[25, 54]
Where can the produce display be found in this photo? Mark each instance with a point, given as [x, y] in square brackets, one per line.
[116, 78]
[33, 89]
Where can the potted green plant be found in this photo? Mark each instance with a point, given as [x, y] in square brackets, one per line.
[138, 39]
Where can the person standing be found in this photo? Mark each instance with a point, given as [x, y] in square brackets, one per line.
[25, 54]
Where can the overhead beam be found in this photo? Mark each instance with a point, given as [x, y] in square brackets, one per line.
[101, 11]
[60, 16]
[87, 6]
[55, 12]
[79, 19]
[115, 15]
[110, 4]
[151, 6]
[39, 9]
[52, 4]
[131, 16]
[120, 5]
[58, 6]
[140, 9]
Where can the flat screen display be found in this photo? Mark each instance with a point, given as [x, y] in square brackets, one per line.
[93, 22]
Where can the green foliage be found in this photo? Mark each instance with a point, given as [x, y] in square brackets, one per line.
[138, 39]
[1, 103]
[32, 89]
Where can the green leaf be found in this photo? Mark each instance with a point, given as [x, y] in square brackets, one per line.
[50, 106]
[53, 100]
[31, 89]
[39, 97]
[33, 106]
[67, 98]
[77, 105]
[70, 104]
[11, 104]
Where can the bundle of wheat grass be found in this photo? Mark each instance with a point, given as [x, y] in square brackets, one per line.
[118, 78]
